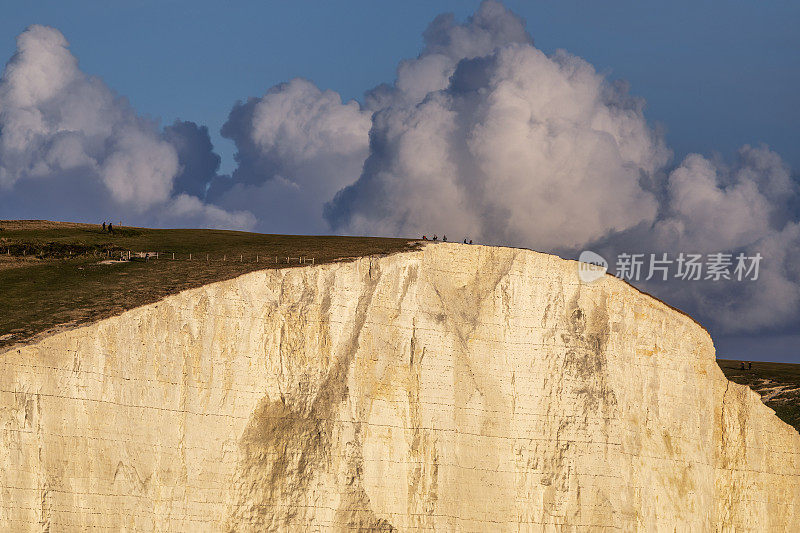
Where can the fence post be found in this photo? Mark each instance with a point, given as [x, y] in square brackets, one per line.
[256, 258]
[190, 257]
[241, 258]
[206, 258]
[173, 256]
[225, 257]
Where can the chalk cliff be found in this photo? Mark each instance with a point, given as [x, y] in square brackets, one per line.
[451, 388]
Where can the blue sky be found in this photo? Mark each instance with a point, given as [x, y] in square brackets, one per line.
[716, 75]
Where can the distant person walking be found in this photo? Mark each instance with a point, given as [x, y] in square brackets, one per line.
[444, 238]
[110, 227]
[749, 365]
[104, 225]
[435, 237]
[424, 238]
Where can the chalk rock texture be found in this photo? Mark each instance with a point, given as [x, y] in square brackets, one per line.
[454, 388]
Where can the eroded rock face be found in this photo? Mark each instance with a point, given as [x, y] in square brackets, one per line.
[453, 388]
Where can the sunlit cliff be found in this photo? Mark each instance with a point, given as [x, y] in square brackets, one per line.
[451, 388]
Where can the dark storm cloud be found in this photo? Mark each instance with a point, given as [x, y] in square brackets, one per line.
[199, 163]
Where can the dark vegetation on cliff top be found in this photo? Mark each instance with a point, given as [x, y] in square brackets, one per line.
[52, 275]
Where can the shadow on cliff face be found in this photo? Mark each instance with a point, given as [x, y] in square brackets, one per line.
[586, 358]
[277, 451]
[285, 458]
[582, 377]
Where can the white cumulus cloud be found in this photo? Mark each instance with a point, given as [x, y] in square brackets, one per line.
[516, 146]
[297, 146]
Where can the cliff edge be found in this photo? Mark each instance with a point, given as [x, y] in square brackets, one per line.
[451, 388]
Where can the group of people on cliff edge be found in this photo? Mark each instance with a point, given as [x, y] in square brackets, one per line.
[444, 239]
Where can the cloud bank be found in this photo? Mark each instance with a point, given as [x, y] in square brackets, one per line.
[64, 130]
[482, 135]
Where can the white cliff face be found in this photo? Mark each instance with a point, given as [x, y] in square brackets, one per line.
[453, 388]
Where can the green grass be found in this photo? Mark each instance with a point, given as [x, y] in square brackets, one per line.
[777, 383]
[51, 273]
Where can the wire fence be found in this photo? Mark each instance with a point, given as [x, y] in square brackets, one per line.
[129, 255]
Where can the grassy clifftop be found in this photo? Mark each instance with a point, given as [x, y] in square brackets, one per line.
[777, 383]
[56, 274]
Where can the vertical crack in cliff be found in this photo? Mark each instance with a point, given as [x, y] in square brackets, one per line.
[725, 464]
[423, 479]
[722, 416]
[45, 497]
